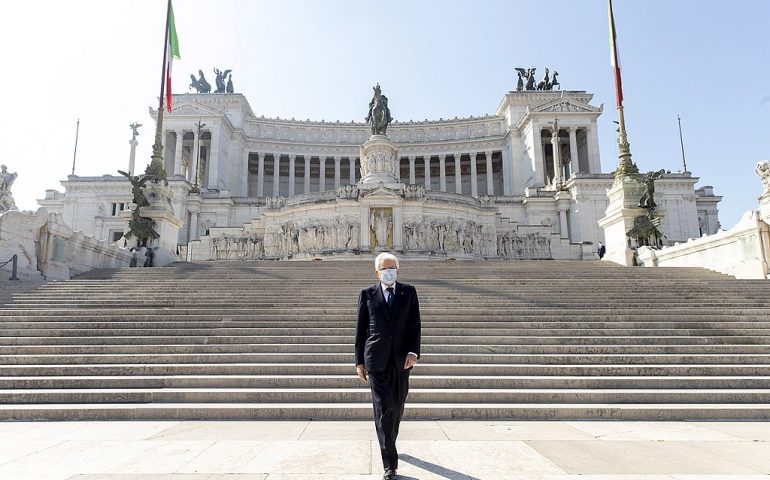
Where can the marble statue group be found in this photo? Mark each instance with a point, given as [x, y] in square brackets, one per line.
[6, 198]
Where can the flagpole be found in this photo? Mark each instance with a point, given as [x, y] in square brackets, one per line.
[681, 142]
[75, 153]
[626, 166]
[156, 165]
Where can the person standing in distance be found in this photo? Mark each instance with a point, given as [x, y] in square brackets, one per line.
[387, 347]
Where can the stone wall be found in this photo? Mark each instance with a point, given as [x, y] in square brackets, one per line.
[49, 249]
[743, 251]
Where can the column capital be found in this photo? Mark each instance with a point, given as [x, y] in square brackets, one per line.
[292, 156]
[261, 155]
[442, 156]
[489, 153]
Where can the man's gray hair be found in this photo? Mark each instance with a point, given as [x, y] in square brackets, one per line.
[384, 256]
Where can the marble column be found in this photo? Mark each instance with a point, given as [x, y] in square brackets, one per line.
[573, 150]
[322, 174]
[474, 175]
[261, 175]
[195, 155]
[292, 159]
[490, 180]
[594, 161]
[132, 155]
[276, 173]
[398, 169]
[458, 173]
[352, 161]
[213, 161]
[557, 176]
[244, 187]
[412, 181]
[442, 172]
[337, 172]
[178, 152]
[306, 187]
[193, 225]
[426, 158]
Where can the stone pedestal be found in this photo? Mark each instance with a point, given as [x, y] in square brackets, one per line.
[379, 163]
[166, 223]
[619, 218]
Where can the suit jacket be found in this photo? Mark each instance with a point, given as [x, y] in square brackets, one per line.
[383, 332]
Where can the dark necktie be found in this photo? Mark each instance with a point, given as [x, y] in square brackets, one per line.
[391, 295]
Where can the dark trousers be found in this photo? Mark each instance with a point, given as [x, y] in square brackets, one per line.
[389, 390]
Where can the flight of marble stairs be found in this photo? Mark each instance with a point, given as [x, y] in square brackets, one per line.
[502, 340]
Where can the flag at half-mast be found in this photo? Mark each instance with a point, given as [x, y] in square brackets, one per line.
[614, 58]
[172, 51]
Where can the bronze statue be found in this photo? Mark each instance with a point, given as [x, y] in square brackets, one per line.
[554, 82]
[201, 85]
[229, 88]
[139, 227]
[379, 113]
[531, 79]
[135, 129]
[220, 80]
[548, 82]
[646, 230]
[648, 197]
[545, 83]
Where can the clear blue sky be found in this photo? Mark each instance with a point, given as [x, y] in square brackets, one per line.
[706, 60]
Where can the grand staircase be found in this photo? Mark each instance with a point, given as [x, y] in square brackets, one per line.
[503, 340]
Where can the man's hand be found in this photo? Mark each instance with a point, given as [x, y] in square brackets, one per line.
[411, 359]
[361, 369]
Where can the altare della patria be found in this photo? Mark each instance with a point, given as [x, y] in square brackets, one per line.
[522, 182]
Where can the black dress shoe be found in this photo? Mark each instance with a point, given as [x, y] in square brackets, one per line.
[389, 475]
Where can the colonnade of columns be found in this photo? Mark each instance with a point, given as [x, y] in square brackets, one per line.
[188, 167]
[307, 160]
[474, 158]
[560, 169]
[276, 184]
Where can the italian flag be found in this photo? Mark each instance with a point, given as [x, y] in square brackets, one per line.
[172, 51]
[614, 59]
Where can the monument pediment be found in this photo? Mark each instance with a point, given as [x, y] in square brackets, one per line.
[193, 109]
[381, 191]
[565, 105]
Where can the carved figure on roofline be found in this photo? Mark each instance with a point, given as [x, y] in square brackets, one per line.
[200, 84]
[220, 80]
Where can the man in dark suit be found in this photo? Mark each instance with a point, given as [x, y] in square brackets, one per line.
[387, 347]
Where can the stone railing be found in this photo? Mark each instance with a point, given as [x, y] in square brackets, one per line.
[743, 251]
[51, 250]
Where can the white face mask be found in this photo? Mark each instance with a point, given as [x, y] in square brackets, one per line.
[388, 276]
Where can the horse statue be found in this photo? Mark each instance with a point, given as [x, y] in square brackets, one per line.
[554, 81]
[379, 113]
[220, 80]
[201, 85]
[545, 83]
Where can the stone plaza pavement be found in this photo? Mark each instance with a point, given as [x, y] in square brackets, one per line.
[334, 450]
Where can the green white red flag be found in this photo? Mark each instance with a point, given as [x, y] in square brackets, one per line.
[614, 58]
[172, 51]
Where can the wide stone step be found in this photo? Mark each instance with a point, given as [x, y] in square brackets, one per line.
[432, 340]
[192, 323]
[351, 381]
[289, 347]
[489, 358]
[362, 395]
[350, 332]
[363, 411]
[423, 369]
